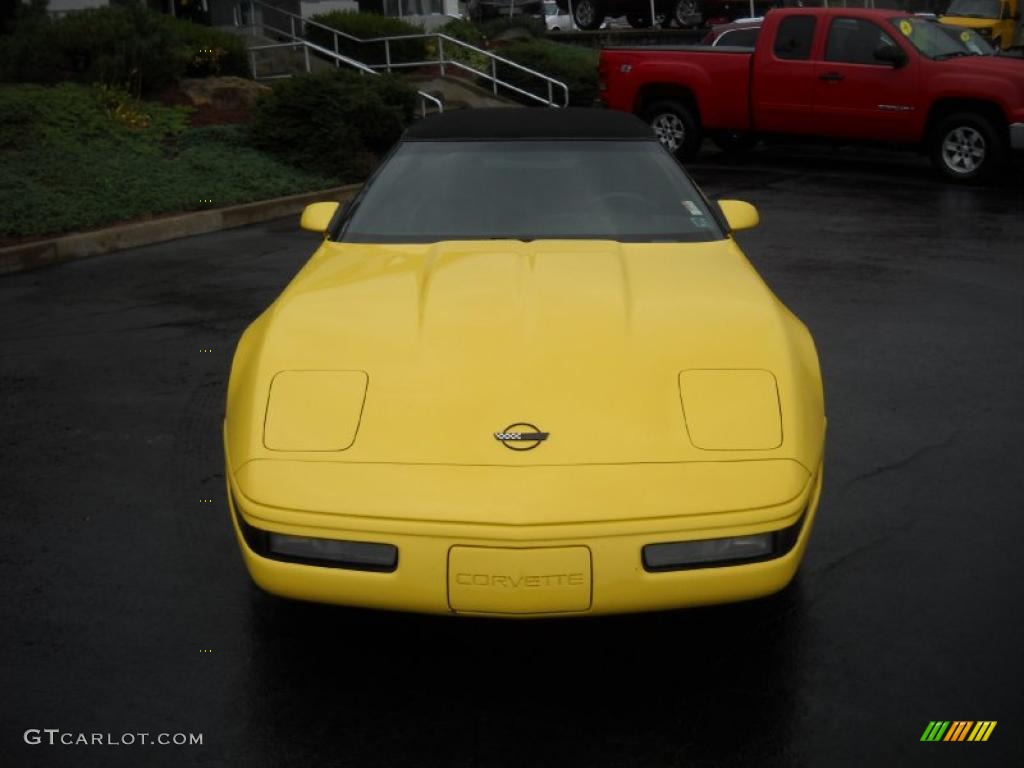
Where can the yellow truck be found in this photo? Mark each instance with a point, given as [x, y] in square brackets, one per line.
[996, 20]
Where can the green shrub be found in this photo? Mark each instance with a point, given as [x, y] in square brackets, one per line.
[210, 51]
[366, 26]
[464, 30]
[15, 12]
[27, 55]
[127, 46]
[573, 65]
[468, 33]
[337, 122]
[494, 27]
[68, 161]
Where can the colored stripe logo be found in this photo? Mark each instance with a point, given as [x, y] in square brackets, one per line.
[958, 730]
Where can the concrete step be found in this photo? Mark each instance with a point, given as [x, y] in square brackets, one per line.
[457, 92]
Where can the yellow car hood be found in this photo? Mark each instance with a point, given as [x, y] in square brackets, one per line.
[435, 348]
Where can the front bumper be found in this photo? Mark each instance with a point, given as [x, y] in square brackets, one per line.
[618, 581]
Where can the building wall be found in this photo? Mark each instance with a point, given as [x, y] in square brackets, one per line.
[404, 8]
[62, 6]
[313, 7]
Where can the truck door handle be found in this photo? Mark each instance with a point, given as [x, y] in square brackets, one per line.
[831, 77]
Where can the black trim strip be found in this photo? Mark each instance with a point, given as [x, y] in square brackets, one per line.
[258, 541]
[783, 542]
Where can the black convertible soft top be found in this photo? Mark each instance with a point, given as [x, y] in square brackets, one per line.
[528, 123]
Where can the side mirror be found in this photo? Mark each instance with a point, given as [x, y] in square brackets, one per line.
[890, 54]
[317, 216]
[739, 215]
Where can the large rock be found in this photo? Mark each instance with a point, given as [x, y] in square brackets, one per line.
[222, 93]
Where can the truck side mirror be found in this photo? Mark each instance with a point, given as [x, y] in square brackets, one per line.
[890, 54]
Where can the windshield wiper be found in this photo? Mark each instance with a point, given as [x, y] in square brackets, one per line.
[944, 56]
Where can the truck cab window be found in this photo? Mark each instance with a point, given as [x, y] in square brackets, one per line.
[794, 38]
[746, 38]
[854, 41]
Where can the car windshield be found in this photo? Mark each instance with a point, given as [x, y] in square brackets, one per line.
[975, 9]
[630, 191]
[550, 9]
[942, 41]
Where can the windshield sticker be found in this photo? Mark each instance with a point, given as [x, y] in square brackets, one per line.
[965, 36]
[691, 208]
[700, 222]
[905, 28]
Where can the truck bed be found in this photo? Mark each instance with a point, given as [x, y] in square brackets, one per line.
[718, 79]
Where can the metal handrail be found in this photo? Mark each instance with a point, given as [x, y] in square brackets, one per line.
[339, 59]
[388, 65]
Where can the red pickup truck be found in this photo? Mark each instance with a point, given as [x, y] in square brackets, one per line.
[839, 73]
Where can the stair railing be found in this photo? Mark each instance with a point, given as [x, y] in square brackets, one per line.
[557, 92]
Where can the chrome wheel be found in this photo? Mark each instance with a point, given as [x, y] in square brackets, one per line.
[963, 150]
[585, 14]
[670, 130]
[685, 10]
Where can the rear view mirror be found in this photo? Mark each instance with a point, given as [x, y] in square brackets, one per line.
[890, 54]
[316, 217]
[739, 215]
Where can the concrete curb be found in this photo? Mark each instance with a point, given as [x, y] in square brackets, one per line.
[43, 253]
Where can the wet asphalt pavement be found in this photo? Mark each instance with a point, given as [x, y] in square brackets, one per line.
[126, 609]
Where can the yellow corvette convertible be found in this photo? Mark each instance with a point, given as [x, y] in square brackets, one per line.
[528, 372]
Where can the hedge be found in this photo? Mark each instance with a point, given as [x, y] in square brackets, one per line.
[571, 64]
[491, 28]
[127, 46]
[366, 26]
[468, 33]
[210, 51]
[337, 122]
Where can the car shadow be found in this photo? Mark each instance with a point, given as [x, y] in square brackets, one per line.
[684, 681]
[853, 161]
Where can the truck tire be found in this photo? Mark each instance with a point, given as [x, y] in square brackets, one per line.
[683, 12]
[676, 127]
[965, 147]
[588, 14]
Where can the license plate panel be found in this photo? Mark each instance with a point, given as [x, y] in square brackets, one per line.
[519, 580]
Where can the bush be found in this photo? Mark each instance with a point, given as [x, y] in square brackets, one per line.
[531, 24]
[573, 65]
[15, 12]
[337, 122]
[366, 26]
[468, 33]
[211, 51]
[464, 30]
[127, 46]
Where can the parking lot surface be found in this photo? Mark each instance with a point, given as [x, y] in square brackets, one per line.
[126, 609]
